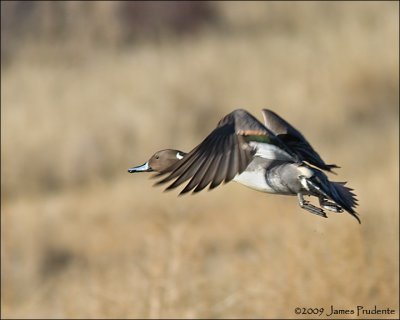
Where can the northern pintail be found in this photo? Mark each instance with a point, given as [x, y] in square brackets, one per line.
[272, 157]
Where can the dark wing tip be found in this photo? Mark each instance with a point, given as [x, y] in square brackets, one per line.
[329, 167]
[294, 140]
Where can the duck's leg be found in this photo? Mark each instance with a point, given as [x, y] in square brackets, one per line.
[329, 205]
[309, 207]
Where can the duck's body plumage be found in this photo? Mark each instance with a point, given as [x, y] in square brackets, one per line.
[273, 157]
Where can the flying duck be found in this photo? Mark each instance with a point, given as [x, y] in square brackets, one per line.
[273, 157]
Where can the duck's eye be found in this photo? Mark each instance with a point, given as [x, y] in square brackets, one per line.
[157, 157]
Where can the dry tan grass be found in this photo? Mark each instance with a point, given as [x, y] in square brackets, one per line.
[81, 238]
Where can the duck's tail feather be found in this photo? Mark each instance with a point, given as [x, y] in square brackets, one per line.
[336, 191]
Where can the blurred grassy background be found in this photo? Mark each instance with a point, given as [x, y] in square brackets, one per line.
[90, 89]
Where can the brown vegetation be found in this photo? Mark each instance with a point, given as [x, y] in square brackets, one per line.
[82, 238]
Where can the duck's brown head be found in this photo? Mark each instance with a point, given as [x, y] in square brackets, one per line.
[159, 161]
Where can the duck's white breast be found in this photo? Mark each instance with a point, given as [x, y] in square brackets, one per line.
[254, 180]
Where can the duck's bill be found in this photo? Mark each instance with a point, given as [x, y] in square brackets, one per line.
[143, 168]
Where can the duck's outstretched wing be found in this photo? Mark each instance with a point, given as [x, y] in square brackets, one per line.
[223, 154]
[294, 140]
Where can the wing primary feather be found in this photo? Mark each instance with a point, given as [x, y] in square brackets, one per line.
[186, 172]
[243, 159]
[178, 171]
[210, 172]
[202, 170]
[190, 161]
[196, 168]
[180, 165]
[192, 156]
[233, 167]
[220, 172]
